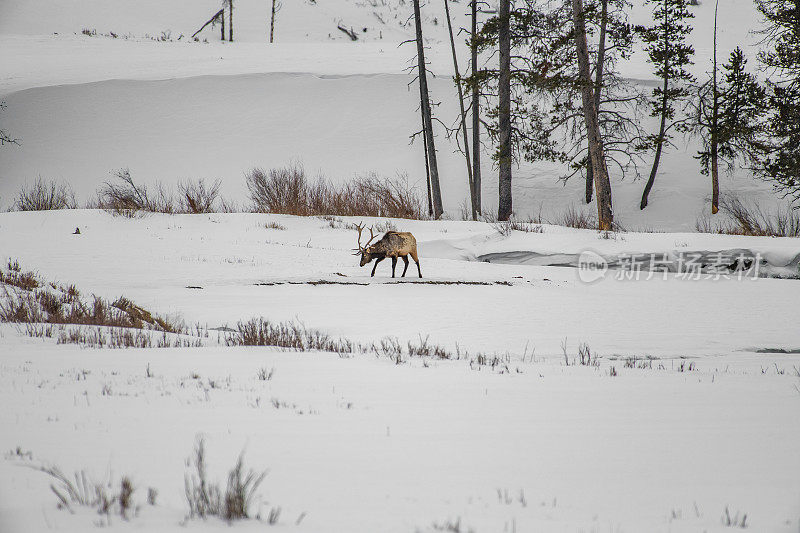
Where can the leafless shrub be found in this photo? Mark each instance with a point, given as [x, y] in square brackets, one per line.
[125, 197]
[585, 357]
[274, 225]
[385, 226]
[338, 223]
[205, 498]
[288, 191]
[14, 276]
[574, 218]
[125, 497]
[240, 491]
[749, 218]
[262, 332]
[425, 349]
[81, 490]
[612, 372]
[505, 228]
[45, 196]
[734, 521]
[264, 374]
[152, 495]
[197, 197]
[495, 362]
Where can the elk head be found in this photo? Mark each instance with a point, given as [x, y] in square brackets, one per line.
[363, 251]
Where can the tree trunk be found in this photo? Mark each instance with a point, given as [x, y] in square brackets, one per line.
[230, 20]
[425, 104]
[504, 112]
[463, 112]
[222, 18]
[598, 87]
[272, 23]
[660, 140]
[427, 168]
[476, 117]
[715, 127]
[602, 183]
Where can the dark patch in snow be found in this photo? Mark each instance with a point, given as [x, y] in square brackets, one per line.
[397, 282]
[778, 350]
[732, 262]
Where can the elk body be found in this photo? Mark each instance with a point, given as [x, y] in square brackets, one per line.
[394, 244]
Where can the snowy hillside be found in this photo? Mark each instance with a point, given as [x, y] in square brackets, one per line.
[165, 111]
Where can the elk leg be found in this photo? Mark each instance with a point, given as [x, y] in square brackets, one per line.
[394, 264]
[378, 260]
[405, 260]
[416, 260]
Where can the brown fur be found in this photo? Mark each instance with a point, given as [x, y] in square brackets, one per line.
[394, 244]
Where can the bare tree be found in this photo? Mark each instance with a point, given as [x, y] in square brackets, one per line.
[276, 6]
[5, 137]
[602, 183]
[457, 77]
[504, 112]
[476, 116]
[230, 20]
[425, 104]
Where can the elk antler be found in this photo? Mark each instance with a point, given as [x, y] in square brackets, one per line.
[362, 249]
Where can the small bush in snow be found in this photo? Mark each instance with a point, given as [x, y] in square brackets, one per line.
[197, 197]
[81, 490]
[274, 225]
[45, 196]
[505, 228]
[749, 218]
[262, 332]
[205, 498]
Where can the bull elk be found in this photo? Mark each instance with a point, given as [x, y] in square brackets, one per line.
[394, 244]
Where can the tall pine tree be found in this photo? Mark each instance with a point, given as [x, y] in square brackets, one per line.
[728, 120]
[670, 55]
[780, 156]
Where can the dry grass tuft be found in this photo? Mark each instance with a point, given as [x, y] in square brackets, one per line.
[205, 498]
[262, 332]
[288, 191]
[505, 228]
[749, 218]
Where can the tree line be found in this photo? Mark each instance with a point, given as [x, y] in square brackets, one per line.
[552, 90]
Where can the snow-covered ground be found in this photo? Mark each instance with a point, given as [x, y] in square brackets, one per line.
[363, 444]
[686, 421]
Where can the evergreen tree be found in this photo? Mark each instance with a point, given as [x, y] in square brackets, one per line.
[670, 55]
[728, 119]
[780, 156]
[547, 114]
